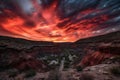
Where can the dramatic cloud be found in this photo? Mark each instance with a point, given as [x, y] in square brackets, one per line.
[58, 20]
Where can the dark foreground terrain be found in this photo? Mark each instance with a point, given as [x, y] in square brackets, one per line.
[94, 58]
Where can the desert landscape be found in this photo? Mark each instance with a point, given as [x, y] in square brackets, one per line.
[59, 39]
[94, 58]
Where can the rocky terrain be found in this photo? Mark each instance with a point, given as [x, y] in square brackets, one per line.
[29, 60]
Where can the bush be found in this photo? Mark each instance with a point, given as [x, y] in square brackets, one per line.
[116, 58]
[30, 73]
[115, 71]
[86, 76]
[12, 73]
[66, 64]
[79, 68]
[5, 67]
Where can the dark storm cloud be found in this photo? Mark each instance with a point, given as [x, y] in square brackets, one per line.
[110, 8]
[71, 7]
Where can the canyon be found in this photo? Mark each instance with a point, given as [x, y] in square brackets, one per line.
[44, 57]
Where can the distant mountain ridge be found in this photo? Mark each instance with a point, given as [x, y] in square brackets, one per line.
[23, 43]
[114, 36]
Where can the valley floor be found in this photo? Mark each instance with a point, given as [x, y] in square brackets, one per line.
[108, 70]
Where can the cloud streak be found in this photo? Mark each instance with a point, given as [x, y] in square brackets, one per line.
[58, 20]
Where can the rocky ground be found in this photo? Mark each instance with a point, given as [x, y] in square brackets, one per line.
[94, 58]
[108, 70]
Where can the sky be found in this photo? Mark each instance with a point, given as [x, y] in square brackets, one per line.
[58, 20]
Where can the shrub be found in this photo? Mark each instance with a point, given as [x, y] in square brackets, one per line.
[115, 70]
[86, 76]
[5, 67]
[66, 64]
[116, 58]
[79, 68]
[12, 73]
[30, 73]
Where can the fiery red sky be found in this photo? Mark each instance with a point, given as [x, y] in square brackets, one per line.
[58, 20]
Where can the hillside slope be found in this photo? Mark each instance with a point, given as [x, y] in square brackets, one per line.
[110, 37]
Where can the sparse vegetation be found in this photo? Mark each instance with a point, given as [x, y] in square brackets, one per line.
[5, 67]
[115, 71]
[12, 73]
[79, 68]
[67, 54]
[116, 58]
[30, 73]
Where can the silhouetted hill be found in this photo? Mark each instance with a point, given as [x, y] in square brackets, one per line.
[22, 43]
[19, 43]
[110, 37]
